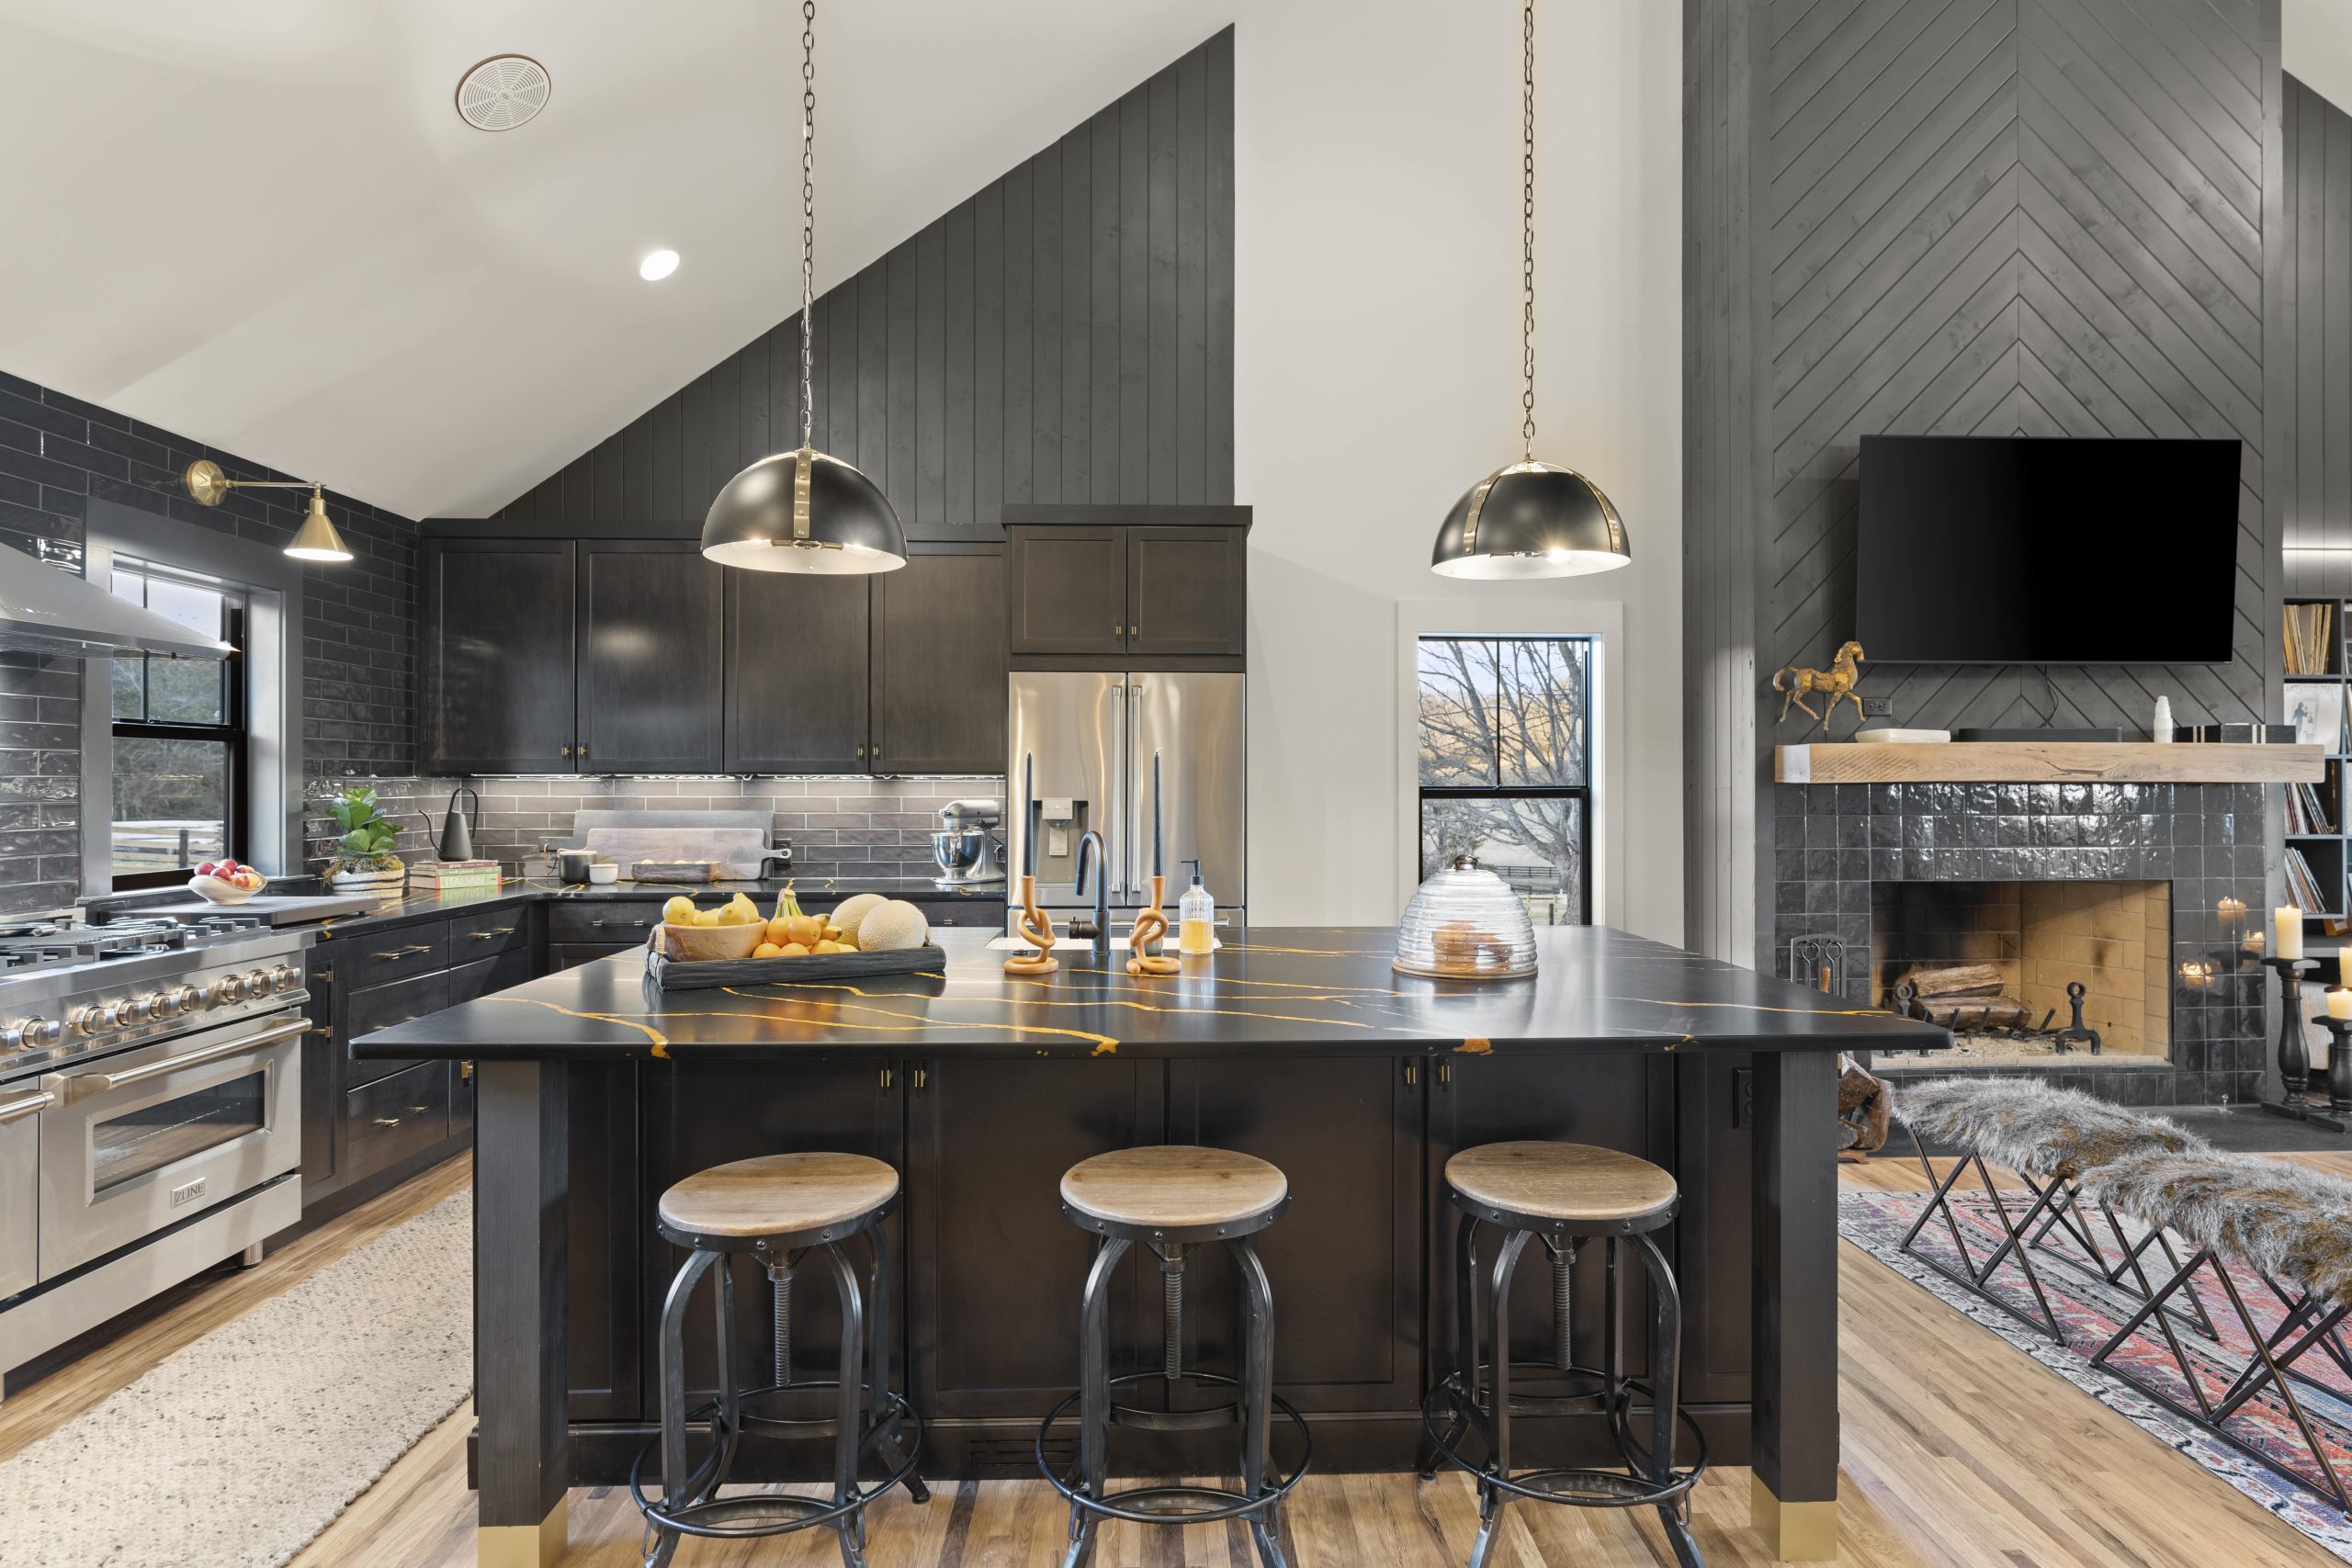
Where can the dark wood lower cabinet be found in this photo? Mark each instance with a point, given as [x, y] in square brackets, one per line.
[606, 1238]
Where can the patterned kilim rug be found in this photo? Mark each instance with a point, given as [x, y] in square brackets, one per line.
[2090, 1310]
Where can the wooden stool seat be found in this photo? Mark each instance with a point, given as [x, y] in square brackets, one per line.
[1575, 1183]
[1173, 1187]
[778, 1195]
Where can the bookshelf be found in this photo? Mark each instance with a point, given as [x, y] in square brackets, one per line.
[2324, 692]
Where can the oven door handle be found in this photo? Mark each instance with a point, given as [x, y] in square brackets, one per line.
[72, 1087]
[25, 1105]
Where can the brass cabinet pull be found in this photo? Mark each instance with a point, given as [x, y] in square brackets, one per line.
[922, 1077]
[885, 1075]
[1412, 1075]
[491, 935]
[1445, 1072]
[403, 952]
[1135, 631]
[567, 751]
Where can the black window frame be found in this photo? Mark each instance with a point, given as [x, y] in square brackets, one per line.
[232, 731]
[1581, 792]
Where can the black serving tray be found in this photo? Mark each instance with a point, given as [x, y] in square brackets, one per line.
[708, 973]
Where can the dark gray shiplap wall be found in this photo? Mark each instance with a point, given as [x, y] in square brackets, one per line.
[1064, 335]
[2033, 216]
[2312, 412]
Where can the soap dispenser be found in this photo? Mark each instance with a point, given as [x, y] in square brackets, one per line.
[1195, 917]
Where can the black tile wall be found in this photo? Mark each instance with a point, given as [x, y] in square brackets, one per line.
[1836, 842]
[359, 619]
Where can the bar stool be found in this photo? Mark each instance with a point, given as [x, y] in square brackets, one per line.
[1169, 1198]
[1564, 1195]
[779, 1208]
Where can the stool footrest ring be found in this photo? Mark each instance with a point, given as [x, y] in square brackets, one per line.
[1583, 1486]
[1214, 1502]
[745, 1517]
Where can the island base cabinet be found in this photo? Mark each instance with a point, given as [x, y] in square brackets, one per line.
[604, 1380]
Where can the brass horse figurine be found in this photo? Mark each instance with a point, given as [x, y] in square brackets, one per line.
[1838, 681]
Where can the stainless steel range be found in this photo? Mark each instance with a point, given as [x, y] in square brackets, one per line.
[150, 1112]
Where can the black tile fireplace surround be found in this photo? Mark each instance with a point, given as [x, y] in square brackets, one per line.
[1833, 841]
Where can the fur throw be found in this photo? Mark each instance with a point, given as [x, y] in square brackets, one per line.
[2030, 1126]
[2289, 1220]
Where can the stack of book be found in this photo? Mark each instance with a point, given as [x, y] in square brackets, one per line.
[2306, 813]
[2307, 631]
[2303, 887]
[455, 877]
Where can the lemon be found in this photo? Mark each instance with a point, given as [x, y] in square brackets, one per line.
[679, 911]
[708, 917]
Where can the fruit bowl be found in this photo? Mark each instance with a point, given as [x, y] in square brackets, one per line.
[694, 944]
[214, 890]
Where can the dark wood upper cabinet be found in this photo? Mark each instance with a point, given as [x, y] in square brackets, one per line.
[1069, 590]
[796, 672]
[652, 651]
[1186, 591]
[939, 662]
[496, 689]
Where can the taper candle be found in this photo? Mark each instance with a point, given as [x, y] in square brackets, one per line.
[1029, 814]
[1157, 868]
[2288, 920]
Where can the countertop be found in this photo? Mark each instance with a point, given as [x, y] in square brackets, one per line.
[1326, 991]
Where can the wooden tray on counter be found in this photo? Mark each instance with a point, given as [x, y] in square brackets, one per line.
[708, 973]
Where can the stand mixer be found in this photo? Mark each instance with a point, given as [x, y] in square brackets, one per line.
[965, 845]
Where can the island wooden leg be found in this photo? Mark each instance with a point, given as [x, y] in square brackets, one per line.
[523, 1461]
[1793, 1495]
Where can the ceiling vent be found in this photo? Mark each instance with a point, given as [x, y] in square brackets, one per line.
[502, 92]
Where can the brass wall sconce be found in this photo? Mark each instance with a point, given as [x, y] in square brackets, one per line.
[315, 540]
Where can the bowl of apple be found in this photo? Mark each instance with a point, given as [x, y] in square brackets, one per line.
[226, 882]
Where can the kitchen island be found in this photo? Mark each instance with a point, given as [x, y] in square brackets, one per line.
[596, 1090]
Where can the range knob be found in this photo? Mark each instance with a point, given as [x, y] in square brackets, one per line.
[37, 1033]
[286, 977]
[229, 989]
[96, 1019]
[139, 1009]
[185, 998]
[257, 982]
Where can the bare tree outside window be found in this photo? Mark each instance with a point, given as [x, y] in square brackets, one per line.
[1506, 752]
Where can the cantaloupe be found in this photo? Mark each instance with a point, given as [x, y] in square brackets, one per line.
[891, 926]
[855, 909]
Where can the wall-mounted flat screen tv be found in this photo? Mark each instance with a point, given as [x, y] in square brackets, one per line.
[1999, 550]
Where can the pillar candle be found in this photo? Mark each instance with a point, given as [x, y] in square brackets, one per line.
[2289, 920]
[2339, 1002]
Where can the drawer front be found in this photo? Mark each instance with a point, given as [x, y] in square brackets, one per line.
[488, 934]
[572, 955]
[373, 957]
[380, 1007]
[483, 976]
[394, 1117]
[614, 921]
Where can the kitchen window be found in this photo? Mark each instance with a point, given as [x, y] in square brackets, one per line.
[180, 795]
[1505, 764]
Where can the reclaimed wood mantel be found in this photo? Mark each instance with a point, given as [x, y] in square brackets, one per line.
[2054, 762]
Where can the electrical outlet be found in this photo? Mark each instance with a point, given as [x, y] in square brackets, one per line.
[1878, 707]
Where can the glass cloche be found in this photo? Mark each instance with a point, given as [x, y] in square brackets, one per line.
[1465, 924]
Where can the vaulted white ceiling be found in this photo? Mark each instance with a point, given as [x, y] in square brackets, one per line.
[260, 224]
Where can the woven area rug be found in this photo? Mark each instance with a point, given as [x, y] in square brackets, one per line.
[238, 1449]
[2090, 1311]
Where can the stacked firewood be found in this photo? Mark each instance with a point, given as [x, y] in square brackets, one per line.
[1964, 997]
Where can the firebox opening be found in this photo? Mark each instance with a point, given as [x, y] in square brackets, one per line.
[1993, 960]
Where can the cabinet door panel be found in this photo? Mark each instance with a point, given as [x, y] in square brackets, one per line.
[700, 1116]
[988, 1144]
[795, 673]
[1185, 591]
[1346, 1258]
[651, 656]
[1619, 1102]
[603, 1237]
[1069, 590]
[939, 662]
[496, 690]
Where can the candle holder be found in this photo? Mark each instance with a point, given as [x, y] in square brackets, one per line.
[2294, 1056]
[1037, 928]
[2339, 1069]
[1149, 927]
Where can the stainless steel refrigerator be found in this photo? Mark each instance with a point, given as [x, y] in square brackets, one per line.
[1090, 742]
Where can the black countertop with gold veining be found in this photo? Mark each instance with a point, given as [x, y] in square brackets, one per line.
[1313, 991]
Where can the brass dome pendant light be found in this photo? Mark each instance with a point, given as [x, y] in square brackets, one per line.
[1530, 518]
[805, 510]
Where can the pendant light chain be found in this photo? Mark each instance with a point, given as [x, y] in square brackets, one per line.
[807, 217]
[1527, 229]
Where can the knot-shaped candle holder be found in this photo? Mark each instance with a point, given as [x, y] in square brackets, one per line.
[1037, 928]
[1149, 927]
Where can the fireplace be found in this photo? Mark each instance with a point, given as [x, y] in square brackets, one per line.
[1994, 961]
[2141, 892]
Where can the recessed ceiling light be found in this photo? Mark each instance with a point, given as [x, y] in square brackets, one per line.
[657, 265]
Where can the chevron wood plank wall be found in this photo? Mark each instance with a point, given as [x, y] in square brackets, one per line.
[1961, 217]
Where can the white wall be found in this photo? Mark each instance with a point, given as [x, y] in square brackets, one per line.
[1376, 371]
[2315, 45]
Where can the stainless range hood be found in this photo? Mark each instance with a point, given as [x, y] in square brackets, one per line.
[46, 610]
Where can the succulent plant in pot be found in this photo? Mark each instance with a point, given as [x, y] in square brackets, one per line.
[363, 860]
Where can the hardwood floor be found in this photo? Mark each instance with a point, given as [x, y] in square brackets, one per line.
[1957, 1451]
